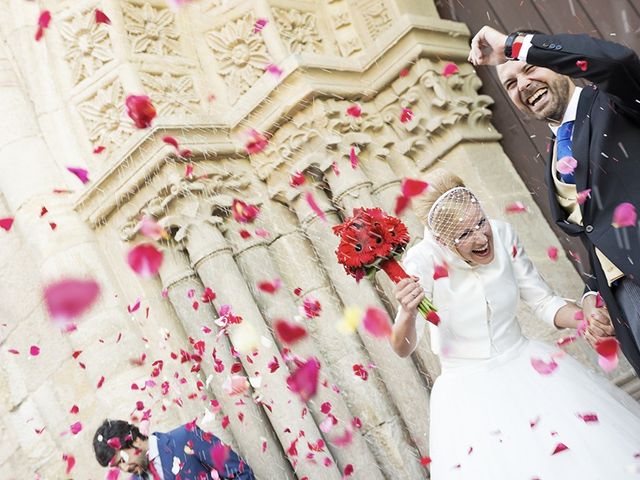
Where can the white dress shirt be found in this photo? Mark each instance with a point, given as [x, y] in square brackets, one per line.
[154, 456]
[477, 304]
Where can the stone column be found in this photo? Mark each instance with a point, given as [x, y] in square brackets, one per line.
[258, 263]
[352, 191]
[178, 279]
[381, 424]
[212, 258]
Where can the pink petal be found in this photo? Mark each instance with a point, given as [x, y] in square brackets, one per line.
[99, 149]
[377, 322]
[256, 143]
[101, 17]
[297, 179]
[188, 171]
[76, 428]
[582, 65]
[311, 307]
[304, 380]
[6, 223]
[259, 25]
[34, 350]
[134, 307]
[152, 229]
[235, 385]
[145, 260]
[624, 215]
[314, 206]
[566, 165]
[219, 455]
[449, 69]
[583, 195]
[440, 271]
[81, 173]
[353, 157]
[552, 253]
[404, 72]
[243, 212]
[113, 474]
[588, 417]
[345, 439]
[515, 207]
[406, 115]
[68, 299]
[171, 141]
[542, 367]
[411, 187]
[44, 19]
[274, 70]
[354, 110]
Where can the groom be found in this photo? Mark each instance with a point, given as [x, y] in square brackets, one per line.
[183, 453]
[594, 161]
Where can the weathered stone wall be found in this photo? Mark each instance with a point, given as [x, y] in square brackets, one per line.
[205, 69]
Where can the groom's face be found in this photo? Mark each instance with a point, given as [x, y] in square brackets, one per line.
[537, 91]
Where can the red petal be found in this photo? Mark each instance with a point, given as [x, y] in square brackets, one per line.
[589, 417]
[404, 72]
[289, 332]
[140, 110]
[44, 19]
[552, 252]
[440, 271]
[43, 211]
[515, 207]
[434, 318]
[411, 187]
[99, 149]
[219, 455]
[34, 350]
[101, 17]
[406, 115]
[256, 143]
[134, 307]
[297, 179]
[76, 428]
[6, 223]
[145, 259]
[304, 380]
[582, 65]
[171, 141]
[353, 157]
[270, 286]
[243, 212]
[560, 447]
[71, 461]
[402, 203]
[354, 110]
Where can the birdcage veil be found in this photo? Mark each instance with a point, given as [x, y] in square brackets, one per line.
[455, 211]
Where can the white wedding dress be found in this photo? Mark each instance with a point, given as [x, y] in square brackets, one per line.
[493, 415]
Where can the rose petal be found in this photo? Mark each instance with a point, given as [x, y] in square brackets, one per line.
[304, 380]
[566, 165]
[583, 195]
[34, 350]
[582, 65]
[145, 260]
[99, 149]
[76, 428]
[377, 322]
[588, 417]
[624, 215]
[449, 69]
[353, 157]
[311, 307]
[259, 25]
[552, 253]
[440, 271]
[406, 115]
[297, 179]
[402, 202]
[243, 212]
[274, 70]
[134, 307]
[68, 299]
[608, 353]
[354, 110]
[289, 333]
[140, 110]
[516, 207]
[256, 142]
[542, 367]
[6, 223]
[314, 206]
[151, 229]
[560, 447]
[412, 187]
[71, 461]
[81, 173]
[270, 286]
[235, 385]
[101, 17]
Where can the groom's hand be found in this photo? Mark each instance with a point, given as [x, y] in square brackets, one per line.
[600, 326]
[487, 47]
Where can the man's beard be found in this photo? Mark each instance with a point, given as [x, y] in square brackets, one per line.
[559, 92]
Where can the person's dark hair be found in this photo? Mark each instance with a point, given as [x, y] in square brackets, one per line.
[123, 431]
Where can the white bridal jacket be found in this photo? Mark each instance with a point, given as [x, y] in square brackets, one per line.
[477, 304]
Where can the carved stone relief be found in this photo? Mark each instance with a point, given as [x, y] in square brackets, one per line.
[172, 94]
[150, 29]
[298, 30]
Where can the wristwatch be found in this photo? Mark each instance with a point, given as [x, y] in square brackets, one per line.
[508, 45]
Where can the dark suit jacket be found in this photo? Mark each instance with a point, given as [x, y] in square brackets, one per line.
[196, 465]
[606, 144]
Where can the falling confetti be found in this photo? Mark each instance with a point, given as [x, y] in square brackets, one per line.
[449, 69]
[624, 215]
[67, 299]
[304, 380]
[43, 23]
[353, 158]
[567, 165]
[140, 110]
[243, 212]
[552, 253]
[260, 24]
[101, 17]
[81, 173]
[354, 110]
[145, 260]
[288, 332]
[582, 65]
[6, 223]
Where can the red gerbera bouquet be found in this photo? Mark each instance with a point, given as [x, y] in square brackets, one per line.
[370, 241]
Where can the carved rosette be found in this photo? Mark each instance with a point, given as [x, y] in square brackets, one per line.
[87, 45]
[151, 30]
[241, 54]
[298, 30]
[104, 114]
[171, 93]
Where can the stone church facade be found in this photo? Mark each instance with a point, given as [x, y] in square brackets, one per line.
[216, 70]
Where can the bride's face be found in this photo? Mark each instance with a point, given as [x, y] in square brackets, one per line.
[473, 239]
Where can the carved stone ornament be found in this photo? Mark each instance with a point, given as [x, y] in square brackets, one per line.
[151, 29]
[298, 30]
[88, 46]
[241, 54]
[171, 94]
[376, 16]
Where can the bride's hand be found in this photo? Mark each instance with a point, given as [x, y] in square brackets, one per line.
[409, 294]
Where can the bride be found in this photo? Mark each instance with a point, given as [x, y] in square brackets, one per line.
[505, 407]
